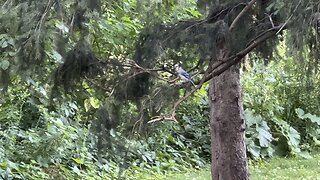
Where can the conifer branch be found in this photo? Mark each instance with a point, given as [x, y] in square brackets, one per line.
[219, 68]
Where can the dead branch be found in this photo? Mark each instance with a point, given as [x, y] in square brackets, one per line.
[162, 118]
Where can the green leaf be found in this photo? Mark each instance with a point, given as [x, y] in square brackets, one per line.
[12, 53]
[194, 13]
[254, 150]
[57, 57]
[58, 122]
[300, 113]
[73, 105]
[144, 158]
[33, 161]
[62, 27]
[78, 161]
[11, 41]
[313, 118]
[3, 36]
[112, 133]
[76, 170]
[3, 165]
[95, 103]
[250, 120]
[171, 139]
[126, 18]
[87, 105]
[305, 155]
[264, 135]
[293, 137]
[4, 44]
[12, 165]
[5, 64]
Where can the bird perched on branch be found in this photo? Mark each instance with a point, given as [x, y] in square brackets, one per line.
[183, 75]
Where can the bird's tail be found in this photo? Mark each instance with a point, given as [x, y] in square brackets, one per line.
[192, 83]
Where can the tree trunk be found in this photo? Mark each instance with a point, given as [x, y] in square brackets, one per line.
[229, 160]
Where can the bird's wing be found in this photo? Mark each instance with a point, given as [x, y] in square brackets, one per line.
[183, 78]
[184, 73]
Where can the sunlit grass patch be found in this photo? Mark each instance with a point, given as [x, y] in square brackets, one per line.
[273, 169]
[287, 168]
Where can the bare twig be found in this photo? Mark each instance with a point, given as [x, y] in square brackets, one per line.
[72, 22]
[289, 17]
[270, 19]
[195, 67]
[96, 84]
[5, 3]
[130, 64]
[242, 13]
[39, 24]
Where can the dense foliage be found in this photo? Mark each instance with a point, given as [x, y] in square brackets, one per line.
[281, 103]
[39, 143]
[73, 107]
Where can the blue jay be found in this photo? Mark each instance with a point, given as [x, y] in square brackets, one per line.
[183, 75]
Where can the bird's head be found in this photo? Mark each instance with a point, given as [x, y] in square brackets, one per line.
[176, 66]
[165, 65]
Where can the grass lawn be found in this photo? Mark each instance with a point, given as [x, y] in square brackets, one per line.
[273, 169]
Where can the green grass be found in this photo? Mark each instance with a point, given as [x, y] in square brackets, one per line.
[284, 168]
[274, 169]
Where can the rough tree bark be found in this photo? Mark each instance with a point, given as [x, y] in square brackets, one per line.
[229, 160]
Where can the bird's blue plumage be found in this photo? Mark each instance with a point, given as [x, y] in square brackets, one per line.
[183, 75]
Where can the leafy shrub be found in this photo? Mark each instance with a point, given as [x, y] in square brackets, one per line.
[273, 95]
